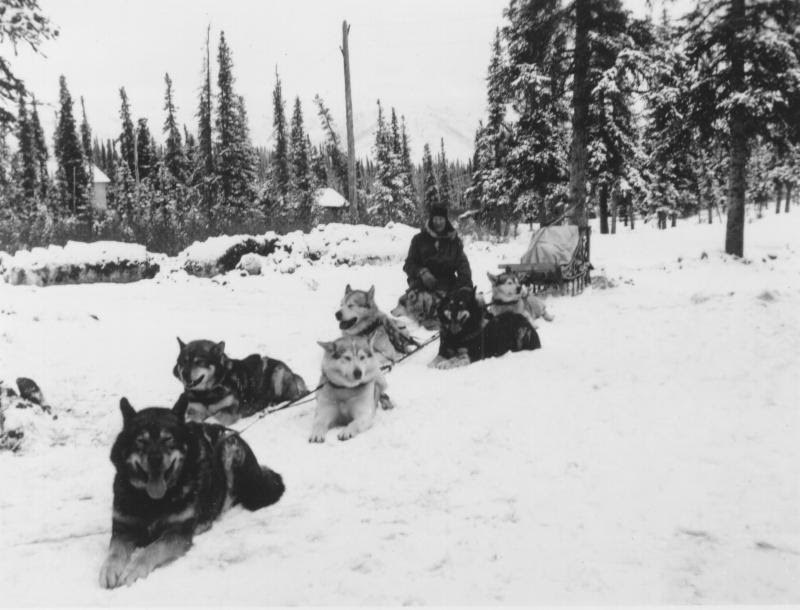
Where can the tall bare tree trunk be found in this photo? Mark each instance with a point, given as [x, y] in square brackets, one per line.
[580, 115]
[603, 199]
[734, 232]
[351, 141]
[614, 204]
[789, 186]
[778, 194]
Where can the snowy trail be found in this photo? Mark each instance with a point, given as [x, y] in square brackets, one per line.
[647, 454]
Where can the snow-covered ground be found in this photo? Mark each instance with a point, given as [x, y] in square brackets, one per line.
[647, 454]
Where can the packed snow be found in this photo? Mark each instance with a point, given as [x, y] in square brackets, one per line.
[79, 263]
[648, 453]
[335, 243]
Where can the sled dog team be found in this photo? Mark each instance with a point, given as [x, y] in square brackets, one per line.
[175, 473]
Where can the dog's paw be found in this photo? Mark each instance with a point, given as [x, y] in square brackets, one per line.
[434, 364]
[138, 567]
[317, 436]
[347, 433]
[385, 402]
[111, 572]
[456, 362]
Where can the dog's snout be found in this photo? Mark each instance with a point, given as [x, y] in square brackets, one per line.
[338, 315]
[357, 373]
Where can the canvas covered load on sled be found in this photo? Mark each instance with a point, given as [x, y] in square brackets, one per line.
[557, 257]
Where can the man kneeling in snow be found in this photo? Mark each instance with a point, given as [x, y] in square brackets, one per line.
[436, 261]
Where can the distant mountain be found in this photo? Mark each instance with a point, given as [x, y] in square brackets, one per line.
[427, 126]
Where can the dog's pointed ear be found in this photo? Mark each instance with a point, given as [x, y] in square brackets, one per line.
[180, 406]
[181, 344]
[492, 278]
[128, 412]
[328, 346]
[371, 294]
[347, 290]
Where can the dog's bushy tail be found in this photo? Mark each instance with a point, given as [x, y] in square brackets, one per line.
[257, 486]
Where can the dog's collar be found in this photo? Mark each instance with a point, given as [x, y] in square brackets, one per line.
[499, 302]
[347, 387]
[371, 328]
[462, 339]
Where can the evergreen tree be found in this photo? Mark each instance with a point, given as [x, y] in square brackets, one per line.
[27, 152]
[491, 182]
[127, 139]
[145, 150]
[430, 188]
[21, 21]
[445, 186]
[40, 145]
[86, 135]
[280, 156]
[73, 179]
[300, 166]
[390, 199]
[395, 135]
[235, 162]
[205, 149]
[745, 56]
[174, 156]
[338, 159]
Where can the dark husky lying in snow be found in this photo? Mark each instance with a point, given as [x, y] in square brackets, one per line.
[174, 478]
[468, 333]
[229, 389]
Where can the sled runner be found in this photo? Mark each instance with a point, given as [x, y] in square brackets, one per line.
[557, 257]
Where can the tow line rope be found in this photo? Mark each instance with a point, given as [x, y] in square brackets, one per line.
[309, 396]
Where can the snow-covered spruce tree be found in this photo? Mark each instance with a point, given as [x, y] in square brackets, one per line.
[746, 63]
[445, 185]
[28, 163]
[21, 21]
[390, 198]
[408, 170]
[86, 135]
[73, 182]
[619, 64]
[281, 176]
[430, 187]
[670, 143]
[235, 162]
[127, 138]
[535, 81]
[205, 143]
[333, 150]
[174, 155]
[40, 146]
[145, 150]
[301, 187]
[491, 188]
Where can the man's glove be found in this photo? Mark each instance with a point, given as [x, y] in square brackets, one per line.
[427, 278]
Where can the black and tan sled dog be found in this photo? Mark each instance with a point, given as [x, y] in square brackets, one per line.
[230, 389]
[173, 479]
[468, 333]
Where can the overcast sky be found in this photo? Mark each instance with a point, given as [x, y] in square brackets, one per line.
[428, 58]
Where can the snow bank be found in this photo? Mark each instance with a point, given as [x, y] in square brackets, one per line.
[220, 254]
[79, 263]
[335, 243]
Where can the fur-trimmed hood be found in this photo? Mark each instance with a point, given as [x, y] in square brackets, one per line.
[448, 233]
